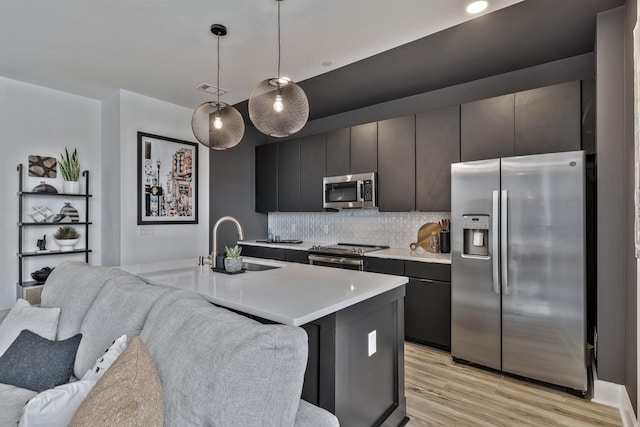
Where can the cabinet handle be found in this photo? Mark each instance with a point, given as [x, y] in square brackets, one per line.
[425, 280]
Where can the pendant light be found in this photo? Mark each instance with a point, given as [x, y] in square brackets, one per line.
[215, 124]
[278, 107]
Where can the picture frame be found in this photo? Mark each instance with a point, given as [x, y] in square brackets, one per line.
[167, 180]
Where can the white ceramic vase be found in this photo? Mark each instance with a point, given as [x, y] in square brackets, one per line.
[66, 245]
[71, 187]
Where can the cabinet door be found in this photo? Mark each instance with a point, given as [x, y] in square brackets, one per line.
[339, 152]
[274, 253]
[384, 266]
[548, 119]
[289, 176]
[427, 312]
[313, 152]
[267, 178]
[437, 147]
[396, 164]
[364, 148]
[486, 128]
[252, 251]
[294, 255]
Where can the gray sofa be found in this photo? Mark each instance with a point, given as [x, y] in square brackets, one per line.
[216, 367]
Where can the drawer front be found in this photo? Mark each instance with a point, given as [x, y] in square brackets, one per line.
[274, 253]
[384, 266]
[254, 251]
[428, 270]
[301, 257]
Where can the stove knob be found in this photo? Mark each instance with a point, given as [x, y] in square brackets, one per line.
[353, 250]
[360, 251]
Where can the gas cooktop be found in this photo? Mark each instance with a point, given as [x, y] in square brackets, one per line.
[346, 249]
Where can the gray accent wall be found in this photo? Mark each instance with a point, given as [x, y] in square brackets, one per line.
[232, 191]
[631, 335]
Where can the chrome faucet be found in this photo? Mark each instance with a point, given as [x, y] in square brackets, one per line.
[214, 252]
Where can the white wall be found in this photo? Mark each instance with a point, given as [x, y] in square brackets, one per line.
[168, 241]
[41, 121]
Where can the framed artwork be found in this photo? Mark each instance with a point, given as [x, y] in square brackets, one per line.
[167, 180]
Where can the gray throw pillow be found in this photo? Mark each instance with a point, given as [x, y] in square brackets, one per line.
[36, 363]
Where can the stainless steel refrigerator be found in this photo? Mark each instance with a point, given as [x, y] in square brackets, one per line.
[518, 285]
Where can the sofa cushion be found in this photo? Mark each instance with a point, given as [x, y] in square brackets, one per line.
[12, 400]
[73, 286]
[129, 393]
[42, 321]
[120, 308]
[309, 415]
[36, 363]
[221, 368]
[55, 407]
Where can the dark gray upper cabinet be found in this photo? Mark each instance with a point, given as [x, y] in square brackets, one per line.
[313, 152]
[267, 178]
[289, 176]
[339, 152]
[486, 128]
[364, 148]
[396, 164]
[437, 147]
[547, 119]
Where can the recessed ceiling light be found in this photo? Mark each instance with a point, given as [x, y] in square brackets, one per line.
[477, 6]
[326, 63]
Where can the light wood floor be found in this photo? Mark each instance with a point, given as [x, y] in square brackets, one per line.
[442, 393]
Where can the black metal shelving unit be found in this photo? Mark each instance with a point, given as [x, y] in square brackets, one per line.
[27, 224]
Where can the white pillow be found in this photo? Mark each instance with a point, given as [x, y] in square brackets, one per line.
[42, 321]
[56, 407]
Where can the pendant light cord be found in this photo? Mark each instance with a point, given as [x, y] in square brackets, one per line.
[218, 80]
[278, 1]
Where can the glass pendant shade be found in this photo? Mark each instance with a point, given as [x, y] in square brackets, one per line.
[226, 132]
[278, 117]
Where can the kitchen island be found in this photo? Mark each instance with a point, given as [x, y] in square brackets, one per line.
[354, 321]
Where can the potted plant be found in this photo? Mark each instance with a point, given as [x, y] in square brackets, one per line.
[66, 237]
[70, 170]
[233, 261]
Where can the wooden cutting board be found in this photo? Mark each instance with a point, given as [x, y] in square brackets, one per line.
[423, 235]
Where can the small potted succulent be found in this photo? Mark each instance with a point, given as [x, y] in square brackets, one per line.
[233, 261]
[70, 170]
[66, 237]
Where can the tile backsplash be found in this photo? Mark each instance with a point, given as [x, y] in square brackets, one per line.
[366, 226]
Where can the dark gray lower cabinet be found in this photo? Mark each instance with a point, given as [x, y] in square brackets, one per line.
[427, 315]
[274, 253]
[250, 250]
[361, 389]
[293, 255]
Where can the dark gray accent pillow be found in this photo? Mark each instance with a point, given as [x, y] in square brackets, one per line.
[36, 363]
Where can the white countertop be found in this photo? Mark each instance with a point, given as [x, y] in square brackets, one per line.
[294, 294]
[419, 255]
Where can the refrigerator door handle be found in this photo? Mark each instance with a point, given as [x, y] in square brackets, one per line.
[495, 242]
[504, 254]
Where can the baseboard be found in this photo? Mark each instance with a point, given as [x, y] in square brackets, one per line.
[614, 395]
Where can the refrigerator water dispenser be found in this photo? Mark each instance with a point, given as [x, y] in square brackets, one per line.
[476, 235]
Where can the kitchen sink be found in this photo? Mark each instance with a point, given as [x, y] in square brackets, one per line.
[250, 266]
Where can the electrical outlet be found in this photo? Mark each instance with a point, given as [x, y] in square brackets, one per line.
[372, 343]
[146, 230]
[326, 229]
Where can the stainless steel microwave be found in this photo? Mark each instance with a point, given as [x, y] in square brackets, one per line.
[350, 191]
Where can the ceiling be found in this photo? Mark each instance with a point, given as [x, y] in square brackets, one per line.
[163, 48]
[378, 50]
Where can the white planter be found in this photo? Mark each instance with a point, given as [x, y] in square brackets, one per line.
[71, 187]
[233, 264]
[66, 245]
